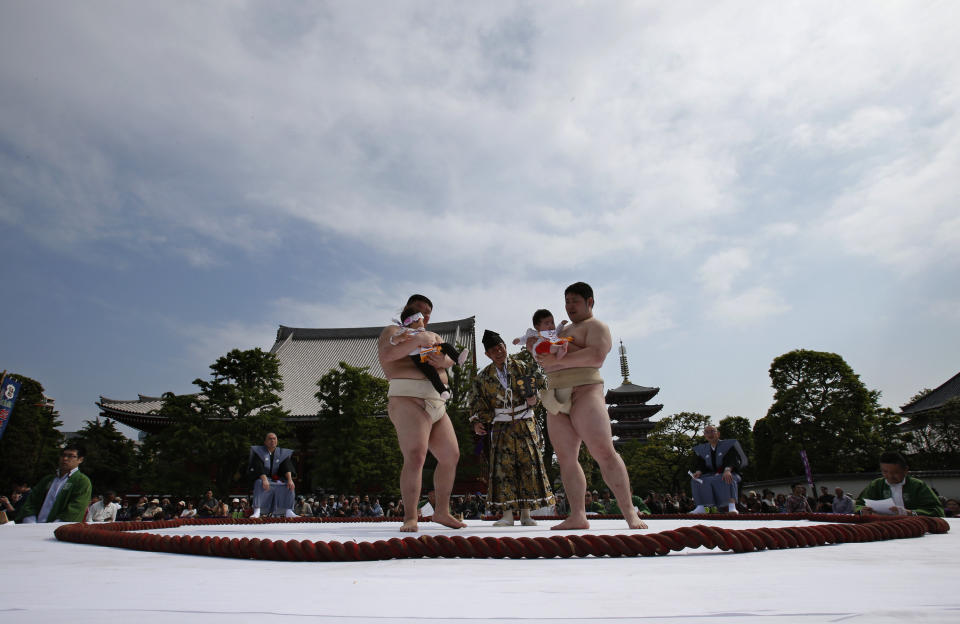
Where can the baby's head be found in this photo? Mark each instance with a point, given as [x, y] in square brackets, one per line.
[411, 317]
[543, 320]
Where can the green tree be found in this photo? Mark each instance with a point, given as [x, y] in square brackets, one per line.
[471, 467]
[206, 445]
[355, 440]
[821, 405]
[662, 463]
[111, 460]
[739, 428]
[30, 447]
[652, 465]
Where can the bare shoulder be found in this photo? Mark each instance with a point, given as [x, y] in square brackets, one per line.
[390, 330]
[596, 328]
[597, 333]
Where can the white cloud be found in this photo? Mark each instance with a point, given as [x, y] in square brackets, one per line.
[904, 213]
[207, 342]
[747, 307]
[634, 318]
[864, 126]
[719, 271]
[779, 231]
[725, 301]
[948, 309]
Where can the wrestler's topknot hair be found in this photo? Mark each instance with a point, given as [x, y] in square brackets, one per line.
[579, 288]
[539, 315]
[416, 297]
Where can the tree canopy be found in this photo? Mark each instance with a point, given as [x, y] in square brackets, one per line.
[206, 445]
[355, 441]
[934, 437]
[821, 405]
[30, 447]
[111, 461]
[662, 463]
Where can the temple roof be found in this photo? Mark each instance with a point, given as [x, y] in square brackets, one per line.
[949, 389]
[630, 393]
[306, 355]
[141, 413]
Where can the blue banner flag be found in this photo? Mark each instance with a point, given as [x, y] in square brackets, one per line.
[9, 389]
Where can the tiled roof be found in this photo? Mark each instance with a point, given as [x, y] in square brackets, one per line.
[948, 390]
[141, 413]
[142, 406]
[630, 393]
[306, 355]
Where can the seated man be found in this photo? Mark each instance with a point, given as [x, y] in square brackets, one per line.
[716, 475]
[272, 468]
[104, 510]
[62, 496]
[592, 505]
[911, 497]
[797, 501]
[842, 504]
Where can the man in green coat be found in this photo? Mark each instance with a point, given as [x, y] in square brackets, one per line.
[911, 497]
[60, 497]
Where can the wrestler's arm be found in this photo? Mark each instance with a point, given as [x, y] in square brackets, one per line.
[391, 352]
[437, 360]
[597, 345]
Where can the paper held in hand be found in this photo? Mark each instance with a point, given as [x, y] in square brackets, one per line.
[881, 506]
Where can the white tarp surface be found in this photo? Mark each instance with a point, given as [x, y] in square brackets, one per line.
[911, 580]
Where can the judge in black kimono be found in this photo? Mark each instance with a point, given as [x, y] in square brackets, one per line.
[273, 472]
[715, 473]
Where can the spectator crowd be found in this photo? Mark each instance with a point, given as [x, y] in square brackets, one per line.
[108, 507]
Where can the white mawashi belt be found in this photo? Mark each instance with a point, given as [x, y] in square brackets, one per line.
[506, 414]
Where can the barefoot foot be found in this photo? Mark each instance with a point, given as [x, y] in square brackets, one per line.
[448, 521]
[571, 523]
[409, 526]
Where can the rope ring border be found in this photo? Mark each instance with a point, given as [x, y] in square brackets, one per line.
[843, 529]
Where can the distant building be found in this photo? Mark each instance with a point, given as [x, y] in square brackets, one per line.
[927, 405]
[629, 412]
[305, 356]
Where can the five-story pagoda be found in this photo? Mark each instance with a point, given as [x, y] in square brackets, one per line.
[629, 412]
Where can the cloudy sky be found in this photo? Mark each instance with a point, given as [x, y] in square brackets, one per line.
[736, 180]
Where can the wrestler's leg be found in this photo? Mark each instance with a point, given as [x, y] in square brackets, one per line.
[413, 432]
[443, 445]
[566, 444]
[590, 420]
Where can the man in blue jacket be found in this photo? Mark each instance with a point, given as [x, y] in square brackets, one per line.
[62, 496]
[716, 472]
[273, 472]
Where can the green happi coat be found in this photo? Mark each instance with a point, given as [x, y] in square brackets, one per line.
[518, 479]
[71, 502]
[917, 496]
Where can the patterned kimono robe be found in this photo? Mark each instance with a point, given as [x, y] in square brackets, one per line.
[518, 479]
